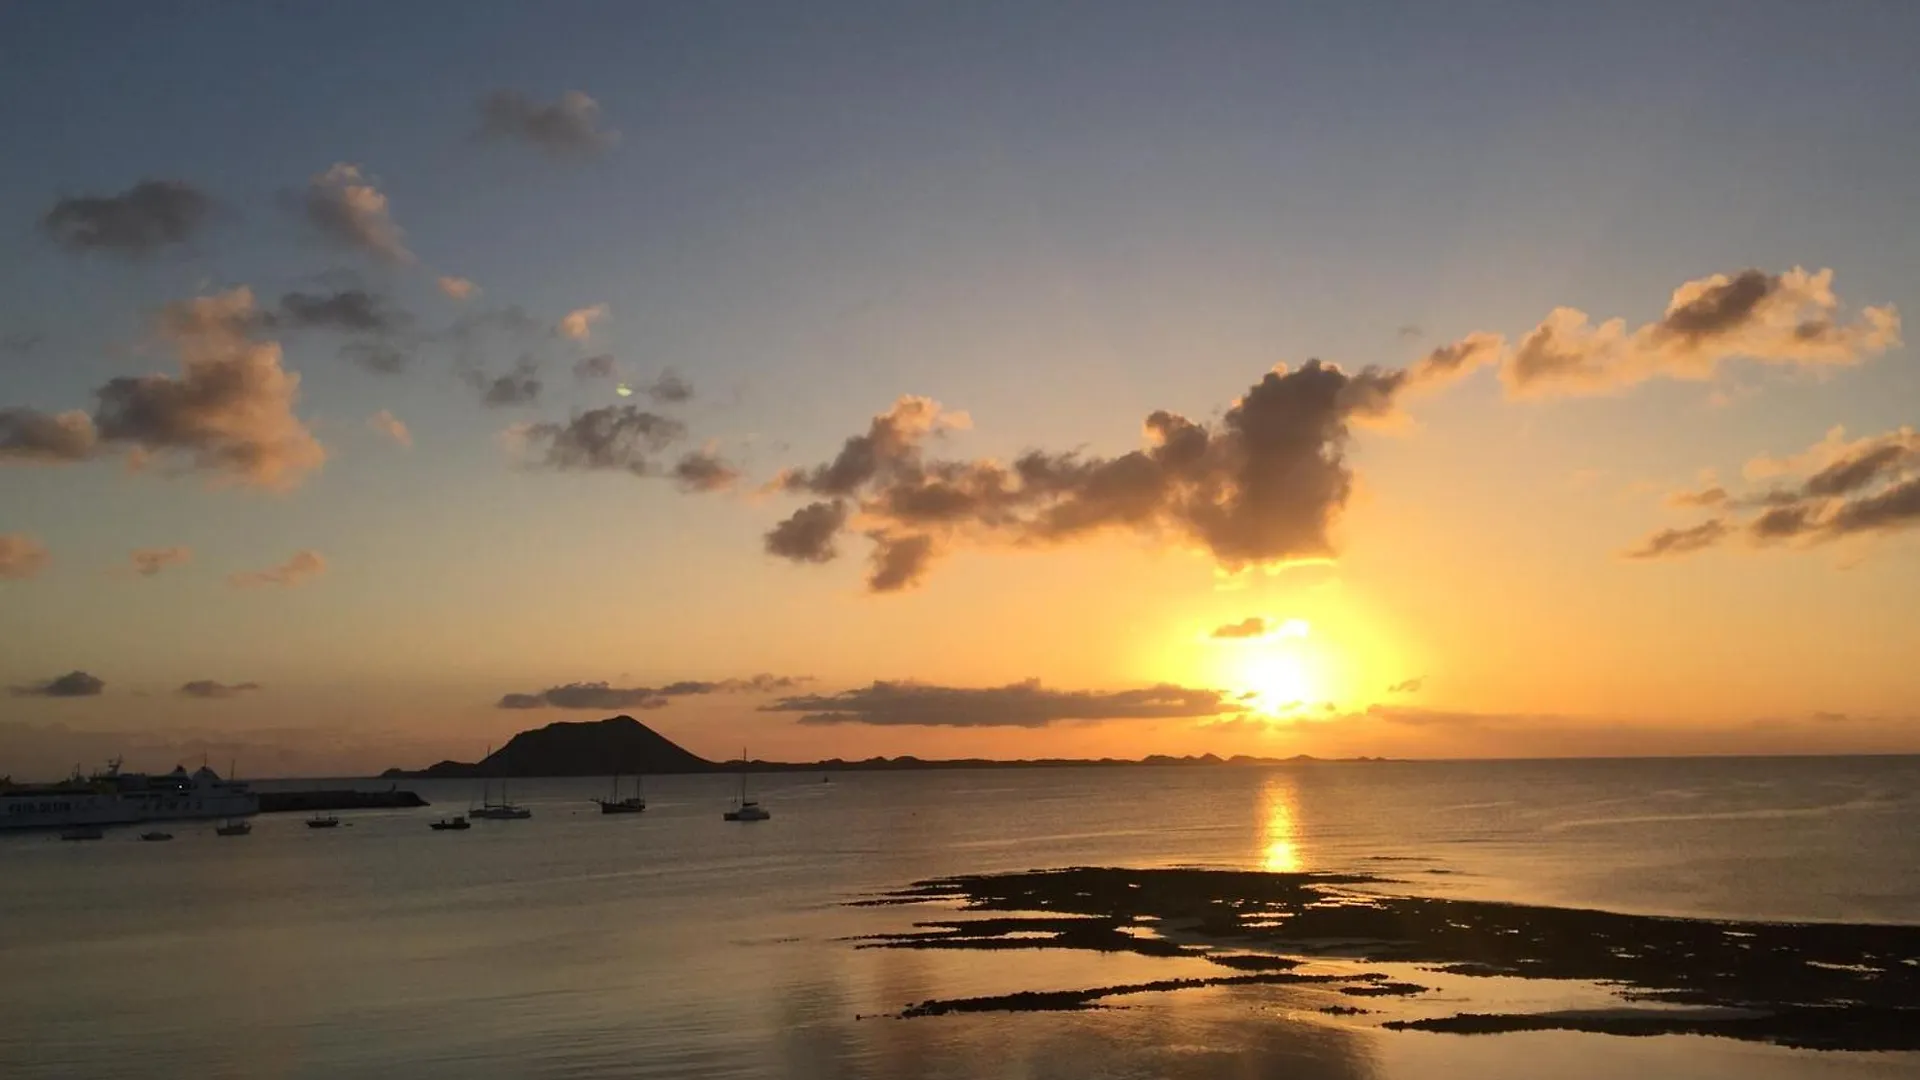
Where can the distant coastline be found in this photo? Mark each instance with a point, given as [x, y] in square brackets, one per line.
[623, 744]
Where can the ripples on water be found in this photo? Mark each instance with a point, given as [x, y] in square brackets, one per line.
[674, 944]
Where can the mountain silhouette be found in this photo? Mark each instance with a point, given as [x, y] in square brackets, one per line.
[619, 744]
[622, 744]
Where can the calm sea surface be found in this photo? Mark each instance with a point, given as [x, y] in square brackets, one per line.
[673, 944]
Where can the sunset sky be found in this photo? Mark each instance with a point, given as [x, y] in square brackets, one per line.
[376, 380]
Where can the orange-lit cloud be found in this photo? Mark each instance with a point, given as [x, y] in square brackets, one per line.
[1789, 319]
[704, 470]
[342, 205]
[458, 288]
[21, 557]
[391, 426]
[302, 567]
[229, 412]
[578, 323]
[1262, 485]
[31, 437]
[1845, 488]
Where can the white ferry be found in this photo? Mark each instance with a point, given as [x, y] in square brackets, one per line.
[111, 797]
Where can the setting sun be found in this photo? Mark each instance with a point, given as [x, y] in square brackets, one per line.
[1280, 682]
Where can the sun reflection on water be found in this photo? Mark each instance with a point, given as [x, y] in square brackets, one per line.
[1280, 853]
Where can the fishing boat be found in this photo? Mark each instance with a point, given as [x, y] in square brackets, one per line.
[82, 832]
[456, 822]
[233, 828]
[745, 809]
[326, 821]
[155, 836]
[631, 804]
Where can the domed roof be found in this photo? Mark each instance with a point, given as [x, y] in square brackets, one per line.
[205, 773]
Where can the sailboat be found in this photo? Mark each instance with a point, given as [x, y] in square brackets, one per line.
[745, 809]
[632, 804]
[497, 811]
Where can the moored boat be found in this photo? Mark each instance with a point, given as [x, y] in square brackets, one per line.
[631, 804]
[111, 797]
[455, 822]
[745, 809]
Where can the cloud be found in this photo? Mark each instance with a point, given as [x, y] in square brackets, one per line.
[601, 695]
[1844, 488]
[342, 205]
[704, 470]
[303, 566]
[1459, 359]
[1263, 485]
[148, 562]
[207, 689]
[20, 343]
[28, 436]
[1025, 704]
[521, 386]
[1407, 686]
[347, 309]
[1711, 495]
[1668, 542]
[566, 129]
[669, 389]
[595, 367]
[230, 412]
[389, 425]
[578, 323]
[610, 437]
[1250, 627]
[1409, 330]
[379, 357]
[71, 685]
[1787, 319]
[898, 562]
[21, 557]
[146, 217]
[807, 534]
[458, 288]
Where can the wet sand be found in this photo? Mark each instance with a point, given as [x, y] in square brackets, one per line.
[1826, 986]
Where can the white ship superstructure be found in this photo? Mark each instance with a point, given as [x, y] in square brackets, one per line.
[112, 797]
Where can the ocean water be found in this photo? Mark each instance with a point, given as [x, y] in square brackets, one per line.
[674, 944]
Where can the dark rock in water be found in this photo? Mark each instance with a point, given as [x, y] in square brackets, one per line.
[280, 802]
[1829, 986]
[594, 748]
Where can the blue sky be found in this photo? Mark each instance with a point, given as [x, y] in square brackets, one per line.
[1055, 217]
